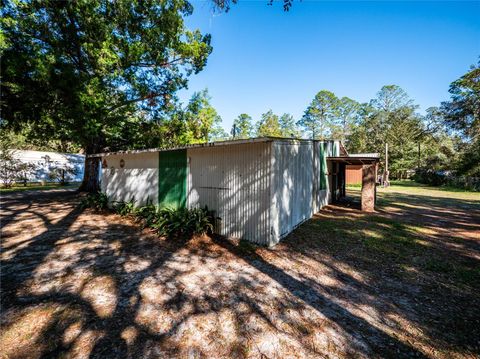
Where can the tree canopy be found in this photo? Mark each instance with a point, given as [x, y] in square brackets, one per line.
[269, 125]
[320, 115]
[101, 75]
[243, 127]
[288, 126]
[462, 115]
[88, 72]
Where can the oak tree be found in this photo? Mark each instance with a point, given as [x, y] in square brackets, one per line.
[87, 71]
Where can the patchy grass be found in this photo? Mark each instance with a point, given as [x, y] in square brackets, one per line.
[398, 185]
[419, 186]
[425, 224]
[403, 282]
[37, 187]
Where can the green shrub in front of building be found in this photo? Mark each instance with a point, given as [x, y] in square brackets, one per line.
[124, 208]
[183, 222]
[437, 178]
[147, 215]
[98, 201]
[168, 222]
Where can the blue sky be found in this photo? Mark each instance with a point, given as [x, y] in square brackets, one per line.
[264, 58]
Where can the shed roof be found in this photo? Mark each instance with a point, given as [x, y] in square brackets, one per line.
[215, 144]
[374, 155]
[355, 160]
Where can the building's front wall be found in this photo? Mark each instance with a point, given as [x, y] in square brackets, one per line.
[234, 181]
[321, 183]
[137, 180]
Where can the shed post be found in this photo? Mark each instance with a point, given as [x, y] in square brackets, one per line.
[368, 187]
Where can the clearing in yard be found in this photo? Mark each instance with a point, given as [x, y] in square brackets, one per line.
[403, 282]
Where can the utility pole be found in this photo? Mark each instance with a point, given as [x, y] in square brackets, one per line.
[418, 155]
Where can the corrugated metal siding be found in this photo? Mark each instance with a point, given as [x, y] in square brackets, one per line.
[235, 182]
[332, 148]
[293, 167]
[137, 180]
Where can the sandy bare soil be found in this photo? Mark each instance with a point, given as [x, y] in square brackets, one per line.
[404, 282]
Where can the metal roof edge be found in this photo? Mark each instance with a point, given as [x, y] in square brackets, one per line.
[194, 145]
[57, 153]
[372, 154]
[210, 144]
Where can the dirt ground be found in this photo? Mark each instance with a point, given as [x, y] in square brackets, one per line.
[404, 282]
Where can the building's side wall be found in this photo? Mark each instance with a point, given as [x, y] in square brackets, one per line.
[294, 187]
[234, 181]
[301, 182]
[329, 171]
[137, 180]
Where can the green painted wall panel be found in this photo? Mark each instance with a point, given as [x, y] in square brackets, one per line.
[323, 166]
[172, 179]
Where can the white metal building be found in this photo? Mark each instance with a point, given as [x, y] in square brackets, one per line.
[45, 162]
[260, 189]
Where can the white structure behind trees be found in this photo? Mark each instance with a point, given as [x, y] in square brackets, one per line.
[51, 166]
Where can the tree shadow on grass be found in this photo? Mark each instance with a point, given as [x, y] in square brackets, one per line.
[429, 278]
[380, 342]
[459, 219]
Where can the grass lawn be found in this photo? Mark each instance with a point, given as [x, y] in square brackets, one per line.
[424, 224]
[419, 187]
[403, 282]
[36, 187]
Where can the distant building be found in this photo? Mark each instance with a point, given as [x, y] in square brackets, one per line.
[47, 162]
[353, 173]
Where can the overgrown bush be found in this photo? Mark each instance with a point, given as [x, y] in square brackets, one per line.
[436, 178]
[98, 201]
[429, 177]
[183, 222]
[147, 214]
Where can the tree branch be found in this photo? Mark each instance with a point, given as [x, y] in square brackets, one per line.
[164, 64]
[138, 99]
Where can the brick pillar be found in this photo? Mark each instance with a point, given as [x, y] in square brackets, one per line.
[368, 188]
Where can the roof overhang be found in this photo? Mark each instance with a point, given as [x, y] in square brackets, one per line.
[355, 160]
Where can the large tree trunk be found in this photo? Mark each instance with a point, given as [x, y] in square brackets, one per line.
[91, 179]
